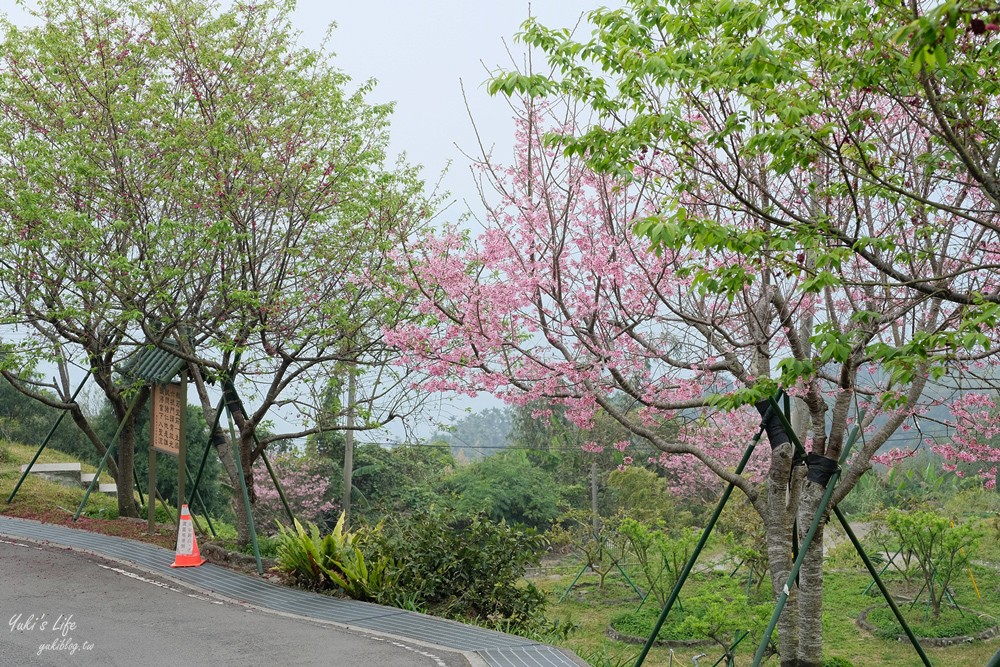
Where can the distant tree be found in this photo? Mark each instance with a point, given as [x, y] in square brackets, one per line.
[185, 176]
[505, 486]
[399, 479]
[479, 434]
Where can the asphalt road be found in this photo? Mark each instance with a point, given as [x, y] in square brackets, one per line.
[59, 607]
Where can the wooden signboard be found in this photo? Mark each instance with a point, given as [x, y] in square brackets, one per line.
[165, 427]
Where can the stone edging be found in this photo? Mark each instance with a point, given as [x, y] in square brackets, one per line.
[219, 555]
[674, 643]
[938, 642]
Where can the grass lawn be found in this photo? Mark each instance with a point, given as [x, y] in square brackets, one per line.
[592, 609]
[52, 502]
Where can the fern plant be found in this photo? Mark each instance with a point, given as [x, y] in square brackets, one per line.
[333, 561]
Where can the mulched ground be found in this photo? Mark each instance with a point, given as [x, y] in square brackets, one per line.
[132, 529]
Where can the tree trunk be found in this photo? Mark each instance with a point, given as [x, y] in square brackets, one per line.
[225, 450]
[126, 461]
[810, 647]
[778, 527]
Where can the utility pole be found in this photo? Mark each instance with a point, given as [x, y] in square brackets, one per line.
[349, 450]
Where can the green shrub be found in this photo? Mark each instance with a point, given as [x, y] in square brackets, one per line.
[505, 487]
[743, 533]
[951, 623]
[333, 561]
[843, 556]
[464, 568]
[162, 514]
[640, 623]
[940, 548]
[95, 511]
[716, 612]
[5, 455]
[267, 545]
[660, 556]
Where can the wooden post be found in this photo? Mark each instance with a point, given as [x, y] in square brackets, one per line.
[594, 508]
[151, 491]
[182, 444]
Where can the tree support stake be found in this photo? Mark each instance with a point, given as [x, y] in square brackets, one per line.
[237, 456]
[675, 592]
[107, 454]
[46, 440]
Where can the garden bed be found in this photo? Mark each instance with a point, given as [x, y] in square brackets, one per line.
[954, 627]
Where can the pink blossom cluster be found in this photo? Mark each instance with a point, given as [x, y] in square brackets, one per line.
[561, 299]
[305, 486]
[974, 437]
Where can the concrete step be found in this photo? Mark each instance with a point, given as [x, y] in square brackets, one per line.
[87, 477]
[69, 474]
[64, 473]
[53, 467]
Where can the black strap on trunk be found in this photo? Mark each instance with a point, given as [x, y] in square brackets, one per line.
[821, 469]
[776, 433]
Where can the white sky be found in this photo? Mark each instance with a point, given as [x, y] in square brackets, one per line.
[421, 52]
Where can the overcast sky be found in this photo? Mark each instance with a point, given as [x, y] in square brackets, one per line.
[421, 52]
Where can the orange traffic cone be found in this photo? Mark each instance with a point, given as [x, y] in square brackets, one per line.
[187, 544]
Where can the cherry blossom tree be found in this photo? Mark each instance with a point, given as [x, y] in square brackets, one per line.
[739, 211]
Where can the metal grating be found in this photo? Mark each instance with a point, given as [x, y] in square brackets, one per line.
[495, 648]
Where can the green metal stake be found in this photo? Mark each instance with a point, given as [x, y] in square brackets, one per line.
[728, 655]
[277, 484]
[804, 547]
[877, 579]
[215, 426]
[994, 661]
[243, 487]
[578, 575]
[201, 501]
[104, 460]
[135, 480]
[881, 572]
[208, 447]
[652, 588]
[701, 545]
[46, 440]
[630, 582]
[916, 598]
